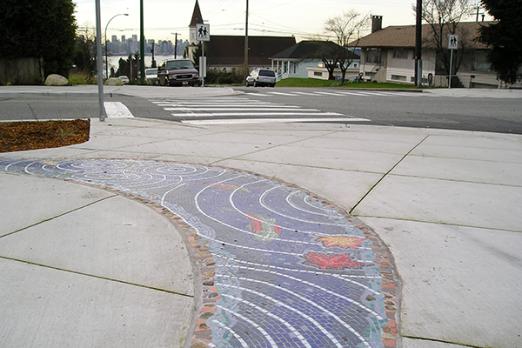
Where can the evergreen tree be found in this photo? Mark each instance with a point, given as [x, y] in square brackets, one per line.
[505, 37]
[41, 29]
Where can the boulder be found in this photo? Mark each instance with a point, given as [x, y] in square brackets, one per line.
[114, 81]
[56, 80]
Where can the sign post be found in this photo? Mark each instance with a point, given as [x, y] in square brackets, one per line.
[202, 35]
[453, 43]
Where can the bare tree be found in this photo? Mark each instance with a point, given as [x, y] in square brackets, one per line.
[347, 28]
[443, 18]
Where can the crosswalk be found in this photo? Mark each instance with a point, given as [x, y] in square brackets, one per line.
[332, 93]
[239, 110]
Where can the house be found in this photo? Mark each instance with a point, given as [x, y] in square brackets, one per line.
[226, 52]
[387, 55]
[305, 60]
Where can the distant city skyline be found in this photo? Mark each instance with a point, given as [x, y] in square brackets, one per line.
[302, 18]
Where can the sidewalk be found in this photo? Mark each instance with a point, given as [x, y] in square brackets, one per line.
[447, 203]
[133, 91]
[76, 272]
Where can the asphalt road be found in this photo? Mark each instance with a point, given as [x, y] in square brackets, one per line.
[411, 109]
[381, 108]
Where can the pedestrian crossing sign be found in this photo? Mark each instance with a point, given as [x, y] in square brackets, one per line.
[203, 32]
[453, 42]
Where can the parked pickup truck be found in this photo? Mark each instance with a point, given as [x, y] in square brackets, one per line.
[178, 72]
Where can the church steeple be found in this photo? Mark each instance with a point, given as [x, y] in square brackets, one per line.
[197, 18]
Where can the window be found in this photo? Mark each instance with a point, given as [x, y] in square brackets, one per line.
[398, 77]
[401, 53]
[373, 55]
[269, 73]
[179, 64]
[318, 73]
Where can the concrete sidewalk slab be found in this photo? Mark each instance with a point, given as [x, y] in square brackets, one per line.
[458, 282]
[195, 147]
[350, 144]
[461, 170]
[365, 161]
[27, 201]
[476, 93]
[117, 238]
[133, 91]
[485, 141]
[473, 153]
[446, 202]
[419, 343]
[43, 307]
[84, 267]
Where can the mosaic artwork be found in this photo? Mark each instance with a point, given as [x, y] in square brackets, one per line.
[289, 270]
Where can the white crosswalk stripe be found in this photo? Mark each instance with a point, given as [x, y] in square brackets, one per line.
[328, 93]
[229, 110]
[281, 93]
[340, 93]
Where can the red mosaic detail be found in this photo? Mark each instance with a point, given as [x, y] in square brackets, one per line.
[331, 261]
[264, 227]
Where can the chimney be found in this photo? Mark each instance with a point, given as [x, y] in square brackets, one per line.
[376, 23]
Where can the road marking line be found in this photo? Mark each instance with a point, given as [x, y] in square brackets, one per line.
[371, 93]
[117, 110]
[234, 109]
[235, 106]
[305, 93]
[281, 93]
[257, 94]
[353, 93]
[258, 114]
[276, 120]
[328, 93]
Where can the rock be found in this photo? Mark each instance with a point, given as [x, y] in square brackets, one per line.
[114, 81]
[56, 80]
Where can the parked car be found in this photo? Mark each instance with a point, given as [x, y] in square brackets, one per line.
[261, 77]
[178, 72]
[124, 79]
[151, 76]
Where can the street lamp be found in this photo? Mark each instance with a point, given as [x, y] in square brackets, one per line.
[105, 36]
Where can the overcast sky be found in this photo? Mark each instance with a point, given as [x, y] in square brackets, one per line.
[304, 18]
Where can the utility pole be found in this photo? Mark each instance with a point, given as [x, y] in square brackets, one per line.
[418, 45]
[246, 40]
[142, 46]
[176, 45]
[152, 50]
[99, 62]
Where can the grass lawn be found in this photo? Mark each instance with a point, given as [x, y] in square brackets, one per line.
[302, 82]
[80, 78]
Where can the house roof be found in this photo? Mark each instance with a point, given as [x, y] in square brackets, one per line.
[404, 36]
[225, 50]
[197, 18]
[309, 49]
